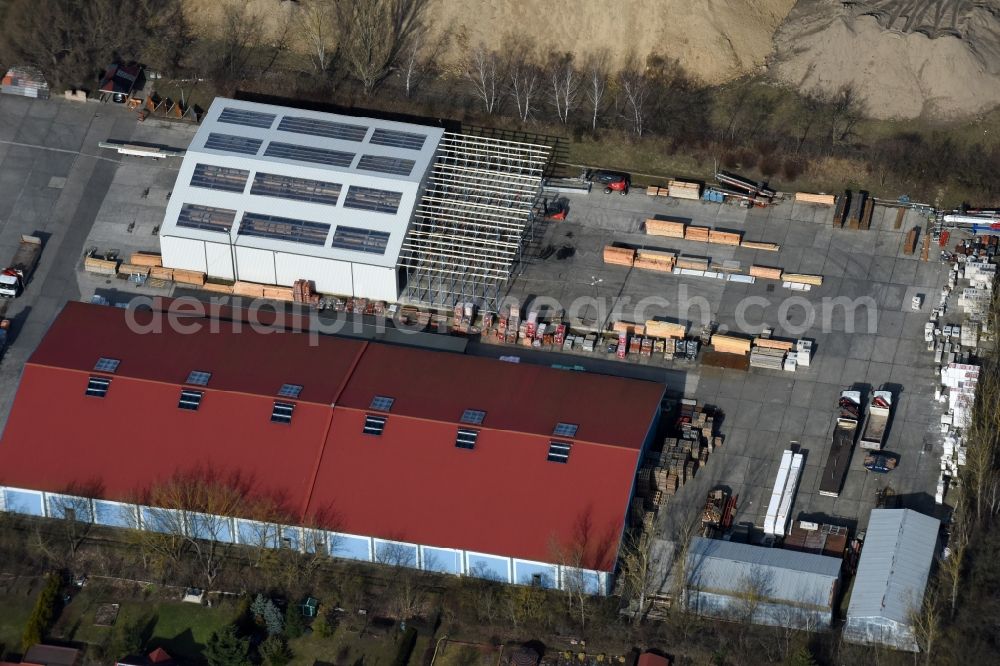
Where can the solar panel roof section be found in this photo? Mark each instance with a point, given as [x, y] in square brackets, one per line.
[246, 117]
[232, 143]
[206, 218]
[360, 240]
[293, 151]
[397, 139]
[325, 128]
[284, 228]
[384, 164]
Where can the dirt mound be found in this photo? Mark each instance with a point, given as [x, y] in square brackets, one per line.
[939, 58]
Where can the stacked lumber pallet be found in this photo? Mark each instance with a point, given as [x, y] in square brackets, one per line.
[698, 234]
[773, 344]
[766, 272]
[100, 266]
[724, 237]
[900, 214]
[766, 357]
[302, 292]
[730, 344]
[926, 250]
[218, 288]
[821, 199]
[146, 259]
[652, 190]
[757, 245]
[867, 212]
[279, 293]
[189, 277]
[133, 269]
[161, 273]
[655, 261]
[683, 189]
[628, 328]
[665, 227]
[803, 278]
[692, 263]
[910, 243]
[248, 289]
[665, 329]
[619, 256]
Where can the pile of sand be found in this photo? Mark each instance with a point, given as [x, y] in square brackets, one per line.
[889, 58]
[714, 40]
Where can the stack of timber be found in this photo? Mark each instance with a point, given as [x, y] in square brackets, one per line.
[926, 250]
[189, 277]
[629, 328]
[146, 259]
[910, 244]
[218, 288]
[692, 263]
[856, 210]
[724, 237]
[841, 210]
[653, 190]
[866, 213]
[248, 289]
[730, 344]
[302, 292]
[665, 227]
[699, 234]
[279, 293]
[767, 357]
[100, 266]
[821, 199]
[766, 272]
[133, 269]
[757, 245]
[665, 329]
[770, 343]
[683, 189]
[161, 273]
[900, 214]
[803, 278]
[655, 261]
[619, 256]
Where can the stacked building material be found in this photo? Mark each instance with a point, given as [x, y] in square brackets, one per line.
[767, 357]
[855, 212]
[189, 277]
[866, 213]
[766, 272]
[146, 259]
[683, 189]
[628, 328]
[910, 243]
[926, 249]
[655, 261]
[100, 266]
[665, 227]
[302, 292]
[695, 233]
[665, 329]
[803, 278]
[692, 263]
[900, 214]
[730, 344]
[161, 273]
[619, 256]
[133, 269]
[26, 82]
[757, 245]
[724, 237]
[217, 288]
[821, 199]
[653, 190]
[248, 289]
[773, 344]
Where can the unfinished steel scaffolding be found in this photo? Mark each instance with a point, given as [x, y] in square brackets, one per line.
[471, 222]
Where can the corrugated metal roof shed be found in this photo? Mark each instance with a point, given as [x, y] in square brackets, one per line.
[895, 562]
[726, 567]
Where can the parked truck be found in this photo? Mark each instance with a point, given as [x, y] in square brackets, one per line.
[876, 420]
[844, 432]
[14, 278]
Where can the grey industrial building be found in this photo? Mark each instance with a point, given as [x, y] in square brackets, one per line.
[892, 576]
[761, 585]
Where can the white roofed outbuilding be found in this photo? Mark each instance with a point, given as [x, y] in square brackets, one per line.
[273, 194]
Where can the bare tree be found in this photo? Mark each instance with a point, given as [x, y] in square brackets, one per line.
[375, 33]
[596, 86]
[846, 109]
[247, 47]
[316, 21]
[636, 88]
[637, 570]
[524, 84]
[925, 621]
[565, 81]
[484, 71]
[419, 59]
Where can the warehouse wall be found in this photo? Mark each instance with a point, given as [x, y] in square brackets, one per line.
[329, 275]
[253, 265]
[771, 614]
[375, 282]
[183, 253]
[267, 535]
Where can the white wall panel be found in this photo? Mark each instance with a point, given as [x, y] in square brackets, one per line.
[329, 275]
[253, 265]
[219, 257]
[375, 282]
[183, 253]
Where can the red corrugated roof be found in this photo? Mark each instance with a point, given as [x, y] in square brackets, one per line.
[410, 484]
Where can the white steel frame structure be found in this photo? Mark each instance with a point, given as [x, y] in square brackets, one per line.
[470, 224]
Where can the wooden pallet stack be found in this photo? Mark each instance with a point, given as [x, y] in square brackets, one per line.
[653, 260]
[730, 344]
[302, 292]
[692, 263]
[248, 289]
[665, 227]
[665, 329]
[724, 237]
[196, 278]
[619, 256]
[697, 234]
[145, 259]
[767, 357]
[910, 243]
[900, 214]
[925, 252]
[803, 278]
[757, 245]
[766, 272]
[820, 199]
[684, 189]
[866, 213]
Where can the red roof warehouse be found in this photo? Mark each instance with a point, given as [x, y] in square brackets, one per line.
[410, 483]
